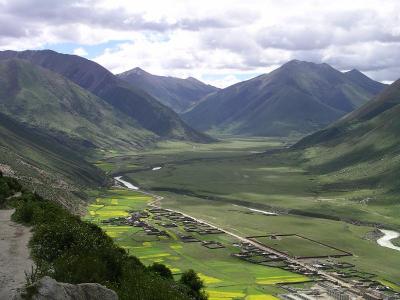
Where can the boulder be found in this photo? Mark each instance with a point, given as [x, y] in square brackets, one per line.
[49, 289]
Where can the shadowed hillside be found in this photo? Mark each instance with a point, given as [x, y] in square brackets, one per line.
[363, 147]
[297, 98]
[134, 102]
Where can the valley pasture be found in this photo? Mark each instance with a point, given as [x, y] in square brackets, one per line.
[226, 277]
[219, 183]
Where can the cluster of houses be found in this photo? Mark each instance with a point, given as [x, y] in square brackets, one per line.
[253, 254]
[325, 289]
[136, 219]
[361, 280]
[320, 290]
[189, 224]
[330, 290]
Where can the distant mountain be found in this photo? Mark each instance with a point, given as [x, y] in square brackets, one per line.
[364, 146]
[364, 81]
[146, 111]
[297, 98]
[43, 99]
[176, 93]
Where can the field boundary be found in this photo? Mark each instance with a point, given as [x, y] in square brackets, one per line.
[345, 253]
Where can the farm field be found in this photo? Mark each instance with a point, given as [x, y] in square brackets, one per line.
[245, 174]
[216, 182]
[367, 255]
[226, 277]
[264, 182]
[297, 246]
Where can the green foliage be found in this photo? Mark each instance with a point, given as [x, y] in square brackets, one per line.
[8, 187]
[161, 270]
[71, 250]
[195, 284]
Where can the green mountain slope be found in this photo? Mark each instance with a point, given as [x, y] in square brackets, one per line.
[297, 98]
[362, 150]
[46, 100]
[50, 166]
[137, 104]
[176, 93]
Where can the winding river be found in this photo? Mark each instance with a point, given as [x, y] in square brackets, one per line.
[386, 240]
[257, 210]
[126, 183]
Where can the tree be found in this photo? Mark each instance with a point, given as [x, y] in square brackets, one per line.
[161, 270]
[195, 285]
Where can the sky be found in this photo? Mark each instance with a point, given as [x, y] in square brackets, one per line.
[219, 42]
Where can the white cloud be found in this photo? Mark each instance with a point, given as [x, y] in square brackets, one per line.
[225, 81]
[213, 39]
[80, 51]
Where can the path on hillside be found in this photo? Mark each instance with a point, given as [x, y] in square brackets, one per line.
[14, 254]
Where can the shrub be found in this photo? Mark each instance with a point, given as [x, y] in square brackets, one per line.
[195, 284]
[161, 270]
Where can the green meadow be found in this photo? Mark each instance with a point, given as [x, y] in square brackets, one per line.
[216, 182]
[297, 246]
[226, 277]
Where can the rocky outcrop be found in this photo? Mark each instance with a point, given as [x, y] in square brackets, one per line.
[49, 289]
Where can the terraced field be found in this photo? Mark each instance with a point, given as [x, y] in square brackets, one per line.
[226, 277]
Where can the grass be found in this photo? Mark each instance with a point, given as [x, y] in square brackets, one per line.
[297, 246]
[226, 277]
[220, 176]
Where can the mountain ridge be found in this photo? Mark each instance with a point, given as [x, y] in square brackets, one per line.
[44, 99]
[130, 100]
[297, 98]
[177, 93]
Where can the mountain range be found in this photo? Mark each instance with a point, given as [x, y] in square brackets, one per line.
[297, 98]
[147, 112]
[58, 110]
[43, 99]
[176, 93]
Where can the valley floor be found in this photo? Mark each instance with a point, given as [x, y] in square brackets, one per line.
[219, 182]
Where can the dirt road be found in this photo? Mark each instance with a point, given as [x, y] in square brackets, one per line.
[14, 254]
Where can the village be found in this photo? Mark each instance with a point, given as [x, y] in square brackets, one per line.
[327, 274]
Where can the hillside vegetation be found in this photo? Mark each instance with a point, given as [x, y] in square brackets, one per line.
[46, 100]
[73, 251]
[295, 99]
[50, 166]
[361, 151]
[142, 108]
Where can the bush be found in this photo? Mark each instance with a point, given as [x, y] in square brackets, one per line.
[161, 270]
[195, 285]
[8, 187]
